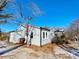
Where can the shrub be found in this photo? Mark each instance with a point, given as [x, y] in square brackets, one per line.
[57, 40]
[2, 38]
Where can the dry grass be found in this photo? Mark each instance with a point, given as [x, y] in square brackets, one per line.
[63, 56]
[48, 48]
[34, 54]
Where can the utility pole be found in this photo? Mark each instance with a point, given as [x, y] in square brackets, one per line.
[27, 31]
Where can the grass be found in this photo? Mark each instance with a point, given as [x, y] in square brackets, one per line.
[48, 48]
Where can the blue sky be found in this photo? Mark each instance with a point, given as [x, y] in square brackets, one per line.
[55, 13]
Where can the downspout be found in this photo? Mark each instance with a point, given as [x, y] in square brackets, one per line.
[27, 32]
[40, 37]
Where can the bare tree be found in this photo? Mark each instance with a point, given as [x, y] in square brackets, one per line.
[33, 11]
[2, 5]
[73, 29]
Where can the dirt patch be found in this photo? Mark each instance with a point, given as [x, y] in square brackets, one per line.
[34, 54]
[48, 48]
[8, 57]
[74, 45]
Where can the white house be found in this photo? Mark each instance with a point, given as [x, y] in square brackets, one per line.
[36, 35]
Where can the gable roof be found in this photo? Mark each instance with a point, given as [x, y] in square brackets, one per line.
[42, 28]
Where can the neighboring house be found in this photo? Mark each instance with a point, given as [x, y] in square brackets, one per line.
[36, 35]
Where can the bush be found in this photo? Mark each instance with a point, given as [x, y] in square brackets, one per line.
[2, 38]
[57, 40]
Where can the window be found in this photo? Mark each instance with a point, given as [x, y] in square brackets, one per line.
[43, 34]
[31, 35]
[46, 34]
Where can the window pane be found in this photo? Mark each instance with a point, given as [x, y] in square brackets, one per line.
[46, 34]
[31, 36]
[43, 34]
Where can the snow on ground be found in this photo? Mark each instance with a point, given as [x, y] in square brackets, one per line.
[62, 54]
[4, 45]
[33, 52]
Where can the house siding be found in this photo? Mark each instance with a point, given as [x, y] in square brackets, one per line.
[38, 38]
[45, 39]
